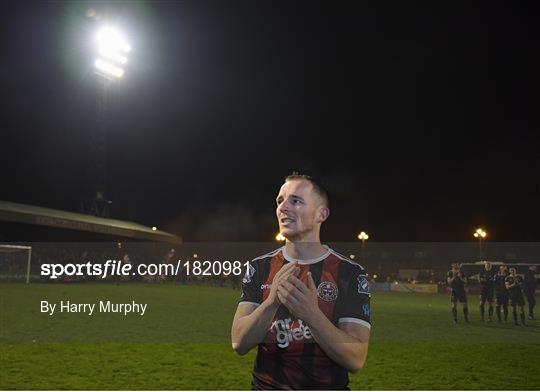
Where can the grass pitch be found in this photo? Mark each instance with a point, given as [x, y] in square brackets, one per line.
[183, 343]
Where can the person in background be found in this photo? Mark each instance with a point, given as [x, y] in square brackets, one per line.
[486, 294]
[514, 285]
[529, 288]
[457, 280]
[501, 293]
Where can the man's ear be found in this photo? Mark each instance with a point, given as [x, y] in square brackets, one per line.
[324, 213]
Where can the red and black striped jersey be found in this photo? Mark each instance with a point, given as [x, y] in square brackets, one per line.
[289, 357]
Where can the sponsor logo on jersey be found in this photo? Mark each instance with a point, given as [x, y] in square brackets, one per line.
[327, 291]
[266, 286]
[288, 331]
[363, 285]
[249, 274]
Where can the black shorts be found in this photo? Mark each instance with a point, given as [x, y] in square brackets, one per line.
[458, 296]
[486, 295]
[502, 299]
[517, 300]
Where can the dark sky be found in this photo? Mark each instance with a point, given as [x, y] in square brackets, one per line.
[421, 119]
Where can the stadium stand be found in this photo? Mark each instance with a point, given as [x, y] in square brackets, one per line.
[24, 223]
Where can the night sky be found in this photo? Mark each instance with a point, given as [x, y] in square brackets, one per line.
[422, 120]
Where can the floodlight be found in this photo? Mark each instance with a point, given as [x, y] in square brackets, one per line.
[109, 69]
[112, 50]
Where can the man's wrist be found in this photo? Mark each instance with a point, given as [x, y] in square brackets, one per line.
[316, 320]
[270, 306]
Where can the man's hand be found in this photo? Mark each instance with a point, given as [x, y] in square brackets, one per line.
[346, 345]
[251, 323]
[281, 276]
[301, 300]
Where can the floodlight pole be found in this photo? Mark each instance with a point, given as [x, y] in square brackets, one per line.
[97, 203]
[480, 247]
[100, 154]
[112, 56]
[363, 236]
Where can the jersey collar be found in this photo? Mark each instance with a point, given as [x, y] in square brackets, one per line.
[308, 261]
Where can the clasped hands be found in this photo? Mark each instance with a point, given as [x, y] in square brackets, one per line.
[299, 298]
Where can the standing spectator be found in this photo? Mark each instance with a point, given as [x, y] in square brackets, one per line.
[486, 294]
[501, 293]
[529, 288]
[514, 284]
[456, 279]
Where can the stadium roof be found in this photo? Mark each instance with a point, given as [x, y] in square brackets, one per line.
[34, 215]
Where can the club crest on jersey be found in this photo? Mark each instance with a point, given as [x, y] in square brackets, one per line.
[249, 274]
[327, 291]
[363, 285]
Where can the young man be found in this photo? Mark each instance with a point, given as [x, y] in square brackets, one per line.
[306, 307]
[514, 284]
[501, 293]
[456, 279]
[529, 288]
[486, 294]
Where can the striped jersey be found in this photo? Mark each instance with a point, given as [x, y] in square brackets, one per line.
[289, 357]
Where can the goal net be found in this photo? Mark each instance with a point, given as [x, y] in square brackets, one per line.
[15, 263]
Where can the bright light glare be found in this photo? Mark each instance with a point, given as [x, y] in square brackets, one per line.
[280, 237]
[109, 69]
[480, 233]
[109, 54]
[112, 50]
[111, 39]
[363, 236]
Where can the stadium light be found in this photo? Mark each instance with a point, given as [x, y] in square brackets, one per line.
[112, 50]
[363, 236]
[154, 228]
[480, 234]
[279, 237]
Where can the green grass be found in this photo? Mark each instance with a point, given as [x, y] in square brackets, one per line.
[183, 343]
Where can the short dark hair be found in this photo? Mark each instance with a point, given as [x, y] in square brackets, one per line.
[318, 187]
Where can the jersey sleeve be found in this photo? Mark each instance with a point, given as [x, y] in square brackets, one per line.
[355, 307]
[251, 286]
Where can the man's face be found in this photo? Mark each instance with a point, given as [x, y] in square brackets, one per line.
[300, 211]
[487, 266]
[512, 271]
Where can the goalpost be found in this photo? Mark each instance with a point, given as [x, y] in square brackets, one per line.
[10, 261]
